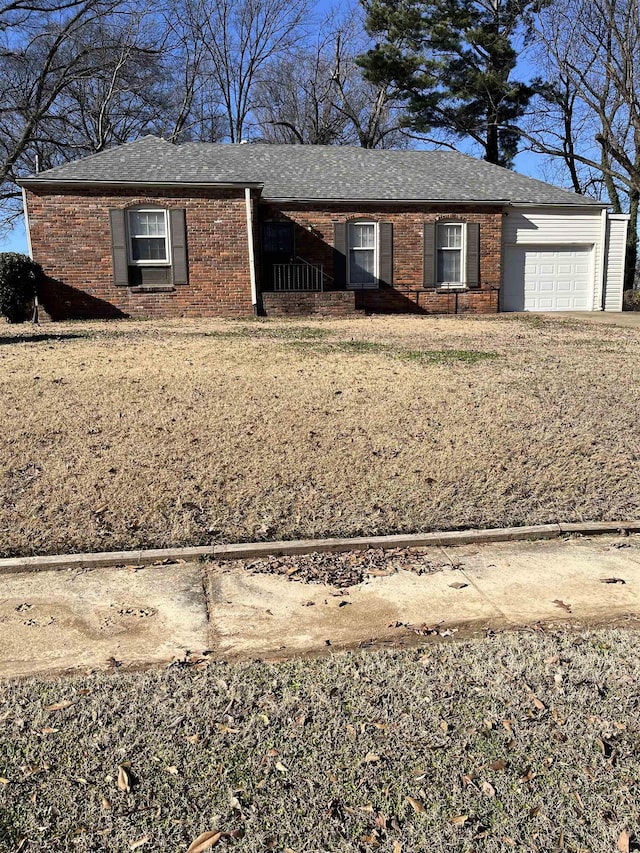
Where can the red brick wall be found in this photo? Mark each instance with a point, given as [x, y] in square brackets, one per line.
[70, 237]
[314, 243]
[335, 304]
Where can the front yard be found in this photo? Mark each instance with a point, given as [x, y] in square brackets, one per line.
[150, 434]
[521, 742]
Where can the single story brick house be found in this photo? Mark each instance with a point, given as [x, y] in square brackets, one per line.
[155, 229]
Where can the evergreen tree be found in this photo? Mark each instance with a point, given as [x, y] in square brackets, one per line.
[454, 60]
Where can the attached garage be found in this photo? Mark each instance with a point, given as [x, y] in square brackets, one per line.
[563, 259]
[546, 278]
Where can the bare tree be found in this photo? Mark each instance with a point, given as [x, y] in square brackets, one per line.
[318, 94]
[590, 118]
[238, 38]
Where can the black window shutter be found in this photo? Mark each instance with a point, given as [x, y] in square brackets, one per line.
[340, 253]
[429, 261]
[178, 246]
[118, 225]
[473, 254]
[386, 253]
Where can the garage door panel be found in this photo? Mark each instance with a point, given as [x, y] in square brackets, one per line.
[554, 278]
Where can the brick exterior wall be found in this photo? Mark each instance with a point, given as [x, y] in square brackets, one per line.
[334, 304]
[70, 237]
[314, 243]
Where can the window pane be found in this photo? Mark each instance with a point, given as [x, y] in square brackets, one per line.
[449, 265]
[147, 223]
[148, 249]
[450, 236]
[362, 266]
[362, 235]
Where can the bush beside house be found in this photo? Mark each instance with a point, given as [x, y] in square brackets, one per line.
[19, 279]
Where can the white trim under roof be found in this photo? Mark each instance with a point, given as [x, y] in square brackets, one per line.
[56, 182]
[474, 201]
[593, 205]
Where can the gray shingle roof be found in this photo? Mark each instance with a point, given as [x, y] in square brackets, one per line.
[313, 172]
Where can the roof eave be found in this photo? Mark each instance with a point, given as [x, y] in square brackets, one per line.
[300, 200]
[590, 204]
[72, 182]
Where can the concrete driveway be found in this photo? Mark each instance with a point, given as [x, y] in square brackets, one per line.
[56, 621]
[626, 319]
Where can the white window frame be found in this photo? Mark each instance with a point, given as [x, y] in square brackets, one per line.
[453, 285]
[376, 255]
[166, 261]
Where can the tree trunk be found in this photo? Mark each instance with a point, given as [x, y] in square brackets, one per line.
[492, 150]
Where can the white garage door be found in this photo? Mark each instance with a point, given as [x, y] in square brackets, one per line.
[553, 278]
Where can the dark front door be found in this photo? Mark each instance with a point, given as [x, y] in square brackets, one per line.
[277, 248]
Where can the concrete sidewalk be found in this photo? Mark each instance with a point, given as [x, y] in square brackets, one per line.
[130, 616]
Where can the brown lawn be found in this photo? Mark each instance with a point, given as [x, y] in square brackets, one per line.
[134, 434]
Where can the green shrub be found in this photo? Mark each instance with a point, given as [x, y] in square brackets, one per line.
[19, 279]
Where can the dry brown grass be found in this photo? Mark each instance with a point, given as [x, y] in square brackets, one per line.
[134, 434]
[520, 742]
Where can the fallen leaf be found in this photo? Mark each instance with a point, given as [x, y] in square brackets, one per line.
[488, 789]
[459, 820]
[500, 764]
[209, 839]
[623, 841]
[370, 757]
[49, 731]
[458, 585]
[58, 706]
[397, 847]
[537, 702]
[559, 603]
[124, 779]
[612, 580]
[173, 770]
[281, 767]
[139, 842]
[3, 780]
[226, 730]
[193, 738]
[106, 805]
[416, 805]
[204, 842]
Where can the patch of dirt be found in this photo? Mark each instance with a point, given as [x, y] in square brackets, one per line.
[346, 569]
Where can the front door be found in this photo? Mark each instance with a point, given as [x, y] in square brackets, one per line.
[277, 248]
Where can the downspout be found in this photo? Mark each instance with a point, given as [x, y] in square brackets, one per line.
[27, 229]
[604, 258]
[252, 257]
[26, 222]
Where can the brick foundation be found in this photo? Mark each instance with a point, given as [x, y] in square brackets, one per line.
[335, 304]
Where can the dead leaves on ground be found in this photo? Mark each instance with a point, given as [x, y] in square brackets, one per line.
[58, 706]
[125, 780]
[416, 805]
[209, 839]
